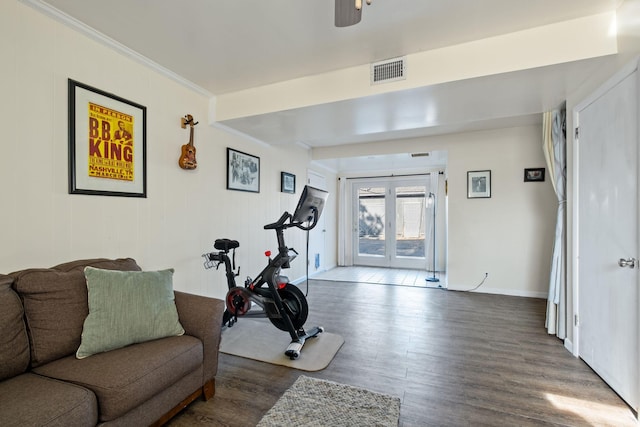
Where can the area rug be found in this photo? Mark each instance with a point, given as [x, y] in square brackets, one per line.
[260, 340]
[318, 403]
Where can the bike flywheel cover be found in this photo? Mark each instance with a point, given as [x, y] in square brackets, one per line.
[238, 302]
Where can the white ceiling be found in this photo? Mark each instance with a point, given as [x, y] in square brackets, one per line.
[490, 102]
[225, 46]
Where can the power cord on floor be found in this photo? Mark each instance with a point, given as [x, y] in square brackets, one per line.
[479, 284]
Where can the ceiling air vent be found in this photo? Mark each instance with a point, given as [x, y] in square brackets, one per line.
[388, 71]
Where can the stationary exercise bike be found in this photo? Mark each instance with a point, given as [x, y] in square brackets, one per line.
[282, 302]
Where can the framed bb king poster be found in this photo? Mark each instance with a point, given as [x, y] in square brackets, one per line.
[107, 143]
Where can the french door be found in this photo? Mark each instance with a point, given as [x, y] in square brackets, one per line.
[390, 222]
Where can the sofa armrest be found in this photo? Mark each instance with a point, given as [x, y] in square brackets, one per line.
[201, 317]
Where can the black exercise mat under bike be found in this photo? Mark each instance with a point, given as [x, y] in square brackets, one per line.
[284, 304]
[257, 339]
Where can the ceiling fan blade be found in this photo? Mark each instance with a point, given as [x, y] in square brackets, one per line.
[346, 13]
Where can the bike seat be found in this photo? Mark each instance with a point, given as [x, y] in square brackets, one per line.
[226, 244]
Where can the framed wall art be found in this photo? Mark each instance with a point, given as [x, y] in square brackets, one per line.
[534, 174]
[287, 182]
[478, 184]
[107, 143]
[243, 171]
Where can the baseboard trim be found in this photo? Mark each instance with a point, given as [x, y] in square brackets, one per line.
[499, 291]
[568, 344]
[303, 279]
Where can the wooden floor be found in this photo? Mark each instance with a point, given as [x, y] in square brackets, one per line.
[453, 358]
[386, 276]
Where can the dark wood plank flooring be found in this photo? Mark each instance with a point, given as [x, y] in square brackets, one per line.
[454, 359]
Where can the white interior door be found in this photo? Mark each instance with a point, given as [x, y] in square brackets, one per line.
[316, 260]
[607, 232]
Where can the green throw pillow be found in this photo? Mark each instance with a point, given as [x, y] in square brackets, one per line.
[127, 307]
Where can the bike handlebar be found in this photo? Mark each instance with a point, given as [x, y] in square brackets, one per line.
[281, 223]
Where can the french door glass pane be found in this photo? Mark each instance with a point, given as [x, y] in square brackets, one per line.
[410, 221]
[371, 221]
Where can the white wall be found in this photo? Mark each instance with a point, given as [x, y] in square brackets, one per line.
[43, 225]
[509, 235]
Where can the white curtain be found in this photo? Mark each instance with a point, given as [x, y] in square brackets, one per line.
[555, 154]
[344, 222]
[434, 187]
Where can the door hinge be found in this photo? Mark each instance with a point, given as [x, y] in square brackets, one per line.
[576, 322]
[577, 133]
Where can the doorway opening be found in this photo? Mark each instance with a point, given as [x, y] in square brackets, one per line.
[400, 223]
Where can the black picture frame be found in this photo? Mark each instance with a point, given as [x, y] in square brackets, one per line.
[534, 174]
[107, 143]
[287, 182]
[479, 184]
[243, 171]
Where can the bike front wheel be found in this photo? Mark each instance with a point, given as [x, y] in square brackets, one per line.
[295, 305]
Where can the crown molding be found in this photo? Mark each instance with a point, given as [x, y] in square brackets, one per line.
[107, 41]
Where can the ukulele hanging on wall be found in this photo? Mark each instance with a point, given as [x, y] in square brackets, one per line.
[188, 157]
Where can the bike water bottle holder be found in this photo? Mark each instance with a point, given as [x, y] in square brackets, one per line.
[211, 260]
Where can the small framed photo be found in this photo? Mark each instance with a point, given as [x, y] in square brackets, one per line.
[533, 174]
[243, 171]
[107, 143]
[478, 184]
[287, 182]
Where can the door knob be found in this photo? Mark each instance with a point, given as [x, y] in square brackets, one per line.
[631, 262]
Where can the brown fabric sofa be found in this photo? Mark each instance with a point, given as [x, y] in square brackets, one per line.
[42, 383]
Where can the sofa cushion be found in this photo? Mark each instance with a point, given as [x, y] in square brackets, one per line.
[127, 307]
[55, 305]
[32, 400]
[14, 343]
[121, 264]
[124, 378]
